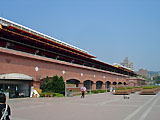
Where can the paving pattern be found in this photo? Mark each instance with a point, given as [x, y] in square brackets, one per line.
[93, 107]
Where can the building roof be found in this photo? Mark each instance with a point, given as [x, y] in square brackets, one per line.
[39, 39]
[6, 22]
[19, 33]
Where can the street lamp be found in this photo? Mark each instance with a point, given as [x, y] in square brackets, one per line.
[106, 87]
[36, 69]
[65, 89]
[64, 72]
[90, 86]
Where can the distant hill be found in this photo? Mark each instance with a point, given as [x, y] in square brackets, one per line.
[151, 73]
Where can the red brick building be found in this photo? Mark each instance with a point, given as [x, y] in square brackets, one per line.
[143, 72]
[134, 82]
[27, 57]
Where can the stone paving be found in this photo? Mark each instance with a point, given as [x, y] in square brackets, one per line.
[93, 107]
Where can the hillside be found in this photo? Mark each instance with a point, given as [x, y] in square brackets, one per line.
[151, 73]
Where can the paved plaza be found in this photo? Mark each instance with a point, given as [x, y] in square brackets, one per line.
[92, 107]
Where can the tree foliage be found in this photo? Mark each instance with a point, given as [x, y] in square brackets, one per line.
[55, 84]
[156, 79]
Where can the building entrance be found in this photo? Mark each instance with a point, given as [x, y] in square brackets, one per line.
[15, 88]
[15, 85]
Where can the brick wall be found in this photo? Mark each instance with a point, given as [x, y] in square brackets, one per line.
[16, 62]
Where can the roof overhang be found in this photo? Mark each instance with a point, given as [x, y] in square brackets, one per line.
[16, 76]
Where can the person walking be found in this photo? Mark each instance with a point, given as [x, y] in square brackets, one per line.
[83, 89]
[114, 90]
[111, 89]
[5, 111]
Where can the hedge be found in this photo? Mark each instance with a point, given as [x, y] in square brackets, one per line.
[98, 91]
[129, 87]
[50, 94]
[121, 88]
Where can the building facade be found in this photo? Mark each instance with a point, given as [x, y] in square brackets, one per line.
[28, 57]
[127, 63]
[143, 72]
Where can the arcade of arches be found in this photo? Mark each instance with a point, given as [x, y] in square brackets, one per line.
[89, 84]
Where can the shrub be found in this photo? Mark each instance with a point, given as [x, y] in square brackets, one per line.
[148, 87]
[95, 91]
[121, 88]
[58, 95]
[88, 91]
[102, 91]
[129, 87]
[46, 94]
[98, 91]
[155, 86]
[42, 94]
[137, 87]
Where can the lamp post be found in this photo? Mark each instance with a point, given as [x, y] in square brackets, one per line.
[65, 89]
[31, 89]
[36, 69]
[64, 72]
[90, 86]
[106, 87]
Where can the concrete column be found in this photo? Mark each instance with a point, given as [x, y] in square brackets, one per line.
[103, 86]
[94, 86]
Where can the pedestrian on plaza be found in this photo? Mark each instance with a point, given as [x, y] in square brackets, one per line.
[83, 89]
[5, 111]
[114, 90]
[111, 89]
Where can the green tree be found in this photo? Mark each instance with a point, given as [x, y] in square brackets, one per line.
[45, 86]
[156, 79]
[60, 85]
[56, 85]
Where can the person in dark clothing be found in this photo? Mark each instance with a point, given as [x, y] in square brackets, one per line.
[82, 94]
[4, 113]
[83, 89]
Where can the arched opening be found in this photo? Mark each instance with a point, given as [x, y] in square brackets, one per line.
[120, 83]
[99, 85]
[114, 83]
[88, 84]
[124, 83]
[74, 82]
[107, 84]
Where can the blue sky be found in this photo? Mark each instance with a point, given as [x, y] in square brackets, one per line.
[109, 29]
